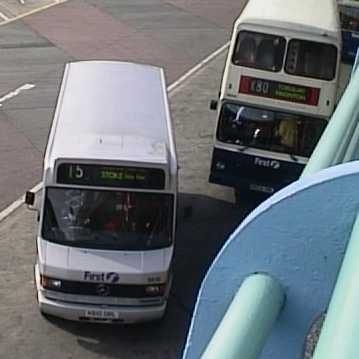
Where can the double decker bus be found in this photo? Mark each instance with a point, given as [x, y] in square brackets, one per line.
[108, 209]
[279, 88]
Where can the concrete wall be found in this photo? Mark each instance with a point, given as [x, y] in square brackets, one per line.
[298, 236]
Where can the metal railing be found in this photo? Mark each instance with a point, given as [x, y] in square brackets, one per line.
[340, 138]
[248, 320]
[340, 331]
[338, 337]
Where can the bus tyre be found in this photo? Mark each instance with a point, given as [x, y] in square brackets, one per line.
[236, 197]
[45, 315]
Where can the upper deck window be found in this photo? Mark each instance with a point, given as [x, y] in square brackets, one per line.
[257, 50]
[311, 59]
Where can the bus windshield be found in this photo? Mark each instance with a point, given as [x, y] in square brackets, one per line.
[269, 130]
[311, 59]
[113, 220]
[304, 58]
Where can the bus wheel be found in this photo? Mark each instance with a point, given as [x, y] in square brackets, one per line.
[46, 315]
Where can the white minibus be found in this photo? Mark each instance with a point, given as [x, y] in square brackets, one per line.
[279, 88]
[108, 206]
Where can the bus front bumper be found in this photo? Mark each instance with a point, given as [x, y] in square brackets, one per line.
[100, 313]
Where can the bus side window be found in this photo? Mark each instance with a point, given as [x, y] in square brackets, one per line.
[349, 18]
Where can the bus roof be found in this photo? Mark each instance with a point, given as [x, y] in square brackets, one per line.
[111, 110]
[313, 16]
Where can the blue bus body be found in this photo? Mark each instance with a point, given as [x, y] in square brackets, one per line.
[252, 174]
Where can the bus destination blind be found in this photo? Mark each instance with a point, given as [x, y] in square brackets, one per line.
[110, 176]
[279, 90]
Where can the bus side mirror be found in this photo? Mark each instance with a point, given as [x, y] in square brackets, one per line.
[29, 198]
[30, 201]
[213, 105]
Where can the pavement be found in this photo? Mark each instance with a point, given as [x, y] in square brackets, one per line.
[207, 216]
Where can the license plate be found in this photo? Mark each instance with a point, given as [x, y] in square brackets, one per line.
[101, 314]
[258, 188]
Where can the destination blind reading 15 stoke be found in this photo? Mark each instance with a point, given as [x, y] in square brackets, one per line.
[110, 176]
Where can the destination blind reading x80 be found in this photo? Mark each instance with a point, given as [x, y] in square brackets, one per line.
[279, 90]
[110, 176]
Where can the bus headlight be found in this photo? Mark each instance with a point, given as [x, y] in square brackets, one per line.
[155, 290]
[220, 165]
[50, 283]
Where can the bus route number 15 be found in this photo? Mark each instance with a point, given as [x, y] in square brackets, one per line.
[260, 87]
[75, 171]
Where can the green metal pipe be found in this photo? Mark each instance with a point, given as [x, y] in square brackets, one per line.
[333, 144]
[248, 321]
[340, 332]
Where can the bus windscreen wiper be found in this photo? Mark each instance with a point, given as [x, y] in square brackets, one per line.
[293, 157]
[242, 148]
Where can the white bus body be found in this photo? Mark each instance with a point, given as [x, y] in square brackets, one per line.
[312, 21]
[279, 83]
[108, 209]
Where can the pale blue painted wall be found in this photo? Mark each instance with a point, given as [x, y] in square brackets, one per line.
[299, 236]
